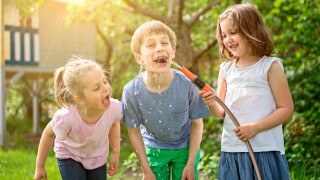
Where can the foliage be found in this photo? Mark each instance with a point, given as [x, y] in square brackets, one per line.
[293, 23]
[27, 8]
[295, 26]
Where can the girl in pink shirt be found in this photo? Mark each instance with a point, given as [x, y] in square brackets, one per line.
[81, 129]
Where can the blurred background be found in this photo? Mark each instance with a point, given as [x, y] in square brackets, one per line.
[38, 36]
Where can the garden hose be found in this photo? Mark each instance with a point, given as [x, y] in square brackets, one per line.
[205, 87]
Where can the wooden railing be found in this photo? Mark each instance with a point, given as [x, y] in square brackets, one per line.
[23, 46]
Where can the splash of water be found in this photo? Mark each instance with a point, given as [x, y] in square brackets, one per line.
[176, 64]
[159, 88]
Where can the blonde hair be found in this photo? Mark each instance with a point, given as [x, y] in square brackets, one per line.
[68, 81]
[249, 23]
[150, 28]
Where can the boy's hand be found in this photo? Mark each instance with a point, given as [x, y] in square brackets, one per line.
[149, 176]
[188, 173]
[208, 97]
[40, 174]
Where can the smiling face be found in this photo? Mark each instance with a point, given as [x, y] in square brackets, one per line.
[156, 53]
[96, 92]
[232, 39]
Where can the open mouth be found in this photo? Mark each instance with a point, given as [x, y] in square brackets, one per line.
[106, 101]
[161, 60]
[233, 46]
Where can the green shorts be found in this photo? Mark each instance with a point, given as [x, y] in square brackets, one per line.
[162, 160]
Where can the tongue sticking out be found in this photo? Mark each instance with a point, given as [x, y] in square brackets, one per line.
[106, 101]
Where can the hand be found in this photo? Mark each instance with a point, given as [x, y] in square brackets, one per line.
[40, 174]
[208, 97]
[113, 165]
[246, 131]
[149, 176]
[188, 173]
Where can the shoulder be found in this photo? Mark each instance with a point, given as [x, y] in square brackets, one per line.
[64, 117]
[65, 113]
[115, 108]
[115, 103]
[180, 76]
[227, 64]
[225, 67]
[270, 63]
[134, 83]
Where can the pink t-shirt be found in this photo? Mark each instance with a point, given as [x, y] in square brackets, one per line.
[85, 143]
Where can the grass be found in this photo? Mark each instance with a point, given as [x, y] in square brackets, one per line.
[18, 161]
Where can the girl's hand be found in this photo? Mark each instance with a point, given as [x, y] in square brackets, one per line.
[40, 174]
[246, 131]
[208, 97]
[113, 165]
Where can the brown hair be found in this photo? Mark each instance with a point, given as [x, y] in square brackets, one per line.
[249, 23]
[147, 29]
[68, 79]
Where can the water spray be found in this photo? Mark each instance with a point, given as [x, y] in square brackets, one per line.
[205, 87]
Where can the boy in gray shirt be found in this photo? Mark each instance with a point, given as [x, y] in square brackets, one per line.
[162, 108]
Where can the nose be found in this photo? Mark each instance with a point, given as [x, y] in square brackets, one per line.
[159, 47]
[228, 39]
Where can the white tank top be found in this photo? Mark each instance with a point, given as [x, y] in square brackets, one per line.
[250, 98]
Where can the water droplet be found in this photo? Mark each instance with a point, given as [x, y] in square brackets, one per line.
[160, 121]
[170, 105]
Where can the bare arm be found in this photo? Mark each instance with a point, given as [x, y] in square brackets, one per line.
[209, 97]
[284, 105]
[45, 144]
[195, 141]
[114, 137]
[138, 146]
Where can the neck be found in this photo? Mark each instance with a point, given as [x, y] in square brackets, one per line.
[89, 116]
[157, 82]
[247, 61]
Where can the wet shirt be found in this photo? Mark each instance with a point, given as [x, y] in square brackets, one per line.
[85, 143]
[164, 118]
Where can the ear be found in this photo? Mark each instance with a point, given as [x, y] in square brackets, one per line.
[174, 53]
[138, 59]
[77, 99]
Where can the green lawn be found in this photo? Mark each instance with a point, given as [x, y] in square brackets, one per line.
[18, 162]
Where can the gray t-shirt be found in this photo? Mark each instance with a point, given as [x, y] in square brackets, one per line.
[164, 118]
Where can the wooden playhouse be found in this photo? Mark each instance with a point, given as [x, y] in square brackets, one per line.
[31, 50]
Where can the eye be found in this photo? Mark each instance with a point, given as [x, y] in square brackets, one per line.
[96, 88]
[150, 45]
[224, 36]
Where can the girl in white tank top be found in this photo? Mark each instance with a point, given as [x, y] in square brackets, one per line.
[254, 87]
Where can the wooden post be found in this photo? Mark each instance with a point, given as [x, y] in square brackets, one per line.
[35, 109]
[2, 79]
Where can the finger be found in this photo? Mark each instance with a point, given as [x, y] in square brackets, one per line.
[236, 130]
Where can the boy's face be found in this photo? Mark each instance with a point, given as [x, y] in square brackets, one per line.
[156, 53]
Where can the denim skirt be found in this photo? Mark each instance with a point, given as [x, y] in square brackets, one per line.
[238, 166]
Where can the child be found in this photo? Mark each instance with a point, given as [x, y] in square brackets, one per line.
[162, 109]
[253, 85]
[82, 127]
